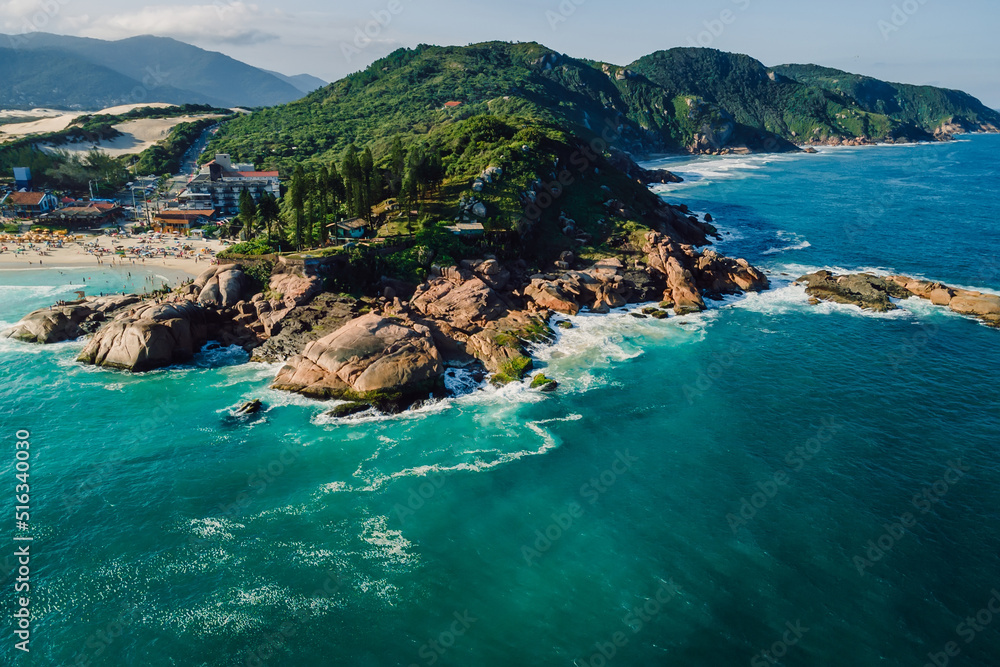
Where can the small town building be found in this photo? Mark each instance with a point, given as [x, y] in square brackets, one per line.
[29, 204]
[180, 220]
[349, 229]
[220, 184]
[466, 228]
[81, 214]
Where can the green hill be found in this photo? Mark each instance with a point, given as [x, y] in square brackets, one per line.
[761, 99]
[925, 107]
[407, 92]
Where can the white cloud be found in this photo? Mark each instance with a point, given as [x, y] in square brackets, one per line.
[26, 16]
[220, 22]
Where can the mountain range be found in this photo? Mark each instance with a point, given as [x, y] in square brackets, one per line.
[684, 99]
[45, 70]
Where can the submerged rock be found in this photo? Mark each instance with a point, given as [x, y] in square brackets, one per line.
[543, 383]
[347, 409]
[250, 408]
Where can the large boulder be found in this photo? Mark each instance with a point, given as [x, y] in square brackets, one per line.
[681, 289]
[66, 322]
[222, 286]
[717, 274]
[552, 295]
[984, 306]
[150, 336]
[467, 306]
[287, 292]
[370, 358]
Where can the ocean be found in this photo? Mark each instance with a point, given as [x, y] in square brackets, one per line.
[765, 483]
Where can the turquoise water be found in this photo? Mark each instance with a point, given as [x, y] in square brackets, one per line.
[698, 490]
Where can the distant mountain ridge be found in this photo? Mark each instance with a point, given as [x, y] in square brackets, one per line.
[307, 83]
[42, 69]
[927, 107]
[686, 99]
[812, 104]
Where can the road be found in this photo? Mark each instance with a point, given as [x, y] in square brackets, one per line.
[189, 163]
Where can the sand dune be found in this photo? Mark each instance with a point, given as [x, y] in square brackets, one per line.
[137, 136]
[59, 120]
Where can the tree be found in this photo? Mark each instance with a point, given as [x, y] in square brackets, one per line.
[351, 170]
[248, 214]
[395, 169]
[297, 198]
[268, 212]
[322, 190]
[368, 184]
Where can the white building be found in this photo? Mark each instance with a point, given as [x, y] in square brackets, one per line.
[221, 182]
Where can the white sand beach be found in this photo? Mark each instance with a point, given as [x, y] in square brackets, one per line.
[191, 256]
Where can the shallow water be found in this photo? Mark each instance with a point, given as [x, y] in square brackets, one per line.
[511, 527]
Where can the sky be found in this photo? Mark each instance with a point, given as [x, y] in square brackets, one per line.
[951, 44]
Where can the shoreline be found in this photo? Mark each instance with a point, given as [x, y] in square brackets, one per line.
[76, 254]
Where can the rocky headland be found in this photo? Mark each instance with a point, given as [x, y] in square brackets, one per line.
[392, 348]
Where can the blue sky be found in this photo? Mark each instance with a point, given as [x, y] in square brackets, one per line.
[950, 44]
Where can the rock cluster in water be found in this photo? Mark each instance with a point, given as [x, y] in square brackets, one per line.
[876, 293]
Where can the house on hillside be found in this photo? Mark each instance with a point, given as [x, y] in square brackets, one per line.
[349, 229]
[180, 220]
[29, 204]
[220, 184]
[466, 229]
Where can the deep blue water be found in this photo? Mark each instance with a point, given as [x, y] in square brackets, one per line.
[608, 519]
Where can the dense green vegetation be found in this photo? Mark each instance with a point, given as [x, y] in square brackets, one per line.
[401, 144]
[416, 188]
[405, 94]
[925, 107]
[759, 100]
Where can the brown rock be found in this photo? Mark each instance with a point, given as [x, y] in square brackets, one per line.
[61, 323]
[368, 356]
[551, 295]
[941, 296]
[984, 306]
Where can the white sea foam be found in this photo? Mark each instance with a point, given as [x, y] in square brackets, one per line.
[387, 543]
[214, 355]
[461, 381]
[705, 170]
[795, 241]
[478, 459]
[801, 245]
[213, 528]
